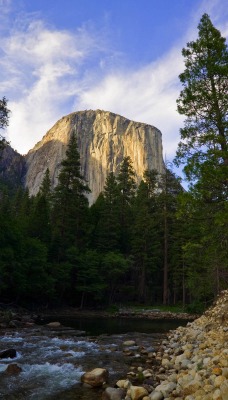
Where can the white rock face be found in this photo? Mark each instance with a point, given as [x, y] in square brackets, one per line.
[104, 139]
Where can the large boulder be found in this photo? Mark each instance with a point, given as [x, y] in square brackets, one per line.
[9, 353]
[13, 369]
[96, 377]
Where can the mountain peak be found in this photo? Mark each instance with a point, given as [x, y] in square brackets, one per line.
[104, 139]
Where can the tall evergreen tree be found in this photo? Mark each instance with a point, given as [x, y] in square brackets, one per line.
[127, 187]
[204, 151]
[107, 231]
[45, 188]
[146, 248]
[70, 204]
[4, 119]
[204, 101]
[169, 189]
[40, 220]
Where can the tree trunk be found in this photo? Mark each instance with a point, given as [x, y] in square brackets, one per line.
[82, 300]
[165, 270]
[183, 286]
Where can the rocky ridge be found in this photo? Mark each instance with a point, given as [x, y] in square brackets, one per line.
[191, 364]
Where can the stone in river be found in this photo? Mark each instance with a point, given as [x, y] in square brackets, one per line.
[96, 377]
[9, 353]
[129, 343]
[13, 369]
[54, 324]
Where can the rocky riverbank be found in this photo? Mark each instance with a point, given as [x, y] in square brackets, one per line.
[122, 313]
[191, 364]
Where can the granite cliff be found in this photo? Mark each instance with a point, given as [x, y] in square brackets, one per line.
[12, 167]
[104, 138]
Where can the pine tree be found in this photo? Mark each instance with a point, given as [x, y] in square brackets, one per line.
[169, 189]
[4, 119]
[70, 204]
[107, 232]
[127, 187]
[204, 101]
[45, 188]
[146, 248]
[204, 151]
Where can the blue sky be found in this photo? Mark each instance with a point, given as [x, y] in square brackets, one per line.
[124, 56]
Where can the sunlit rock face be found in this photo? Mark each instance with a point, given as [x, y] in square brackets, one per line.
[104, 139]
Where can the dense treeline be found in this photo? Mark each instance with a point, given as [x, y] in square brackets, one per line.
[149, 243]
[134, 245]
[56, 249]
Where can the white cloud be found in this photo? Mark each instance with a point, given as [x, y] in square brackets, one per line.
[147, 95]
[41, 73]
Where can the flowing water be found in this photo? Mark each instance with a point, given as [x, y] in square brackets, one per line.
[53, 361]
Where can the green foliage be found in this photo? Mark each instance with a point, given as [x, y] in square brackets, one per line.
[112, 309]
[127, 187]
[89, 279]
[204, 101]
[126, 181]
[4, 119]
[107, 227]
[146, 239]
[114, 267]
[196, 307]
[203, 149]
[70, 205]
[39, 222]
[45, 188]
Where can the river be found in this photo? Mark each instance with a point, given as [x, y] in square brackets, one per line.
[53, 360]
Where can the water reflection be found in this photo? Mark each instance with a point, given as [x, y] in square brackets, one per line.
[110, 326]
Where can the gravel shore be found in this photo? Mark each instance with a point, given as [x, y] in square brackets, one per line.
[191, 364]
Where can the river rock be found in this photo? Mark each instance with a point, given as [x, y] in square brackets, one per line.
[96, 377]
[155, 395]
[13, 369]
[224, 390]
[113, 394]
[166, 388]
[129, 343]
[137, 392]
[123, 383]
[54, 324]
[9, 353]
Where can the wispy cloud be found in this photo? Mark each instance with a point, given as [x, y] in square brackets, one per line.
[42, 71]
[147, 95]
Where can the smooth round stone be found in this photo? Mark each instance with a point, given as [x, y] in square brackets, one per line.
[129, 343]
[216, 395]
[219, 380]
[156, 395]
